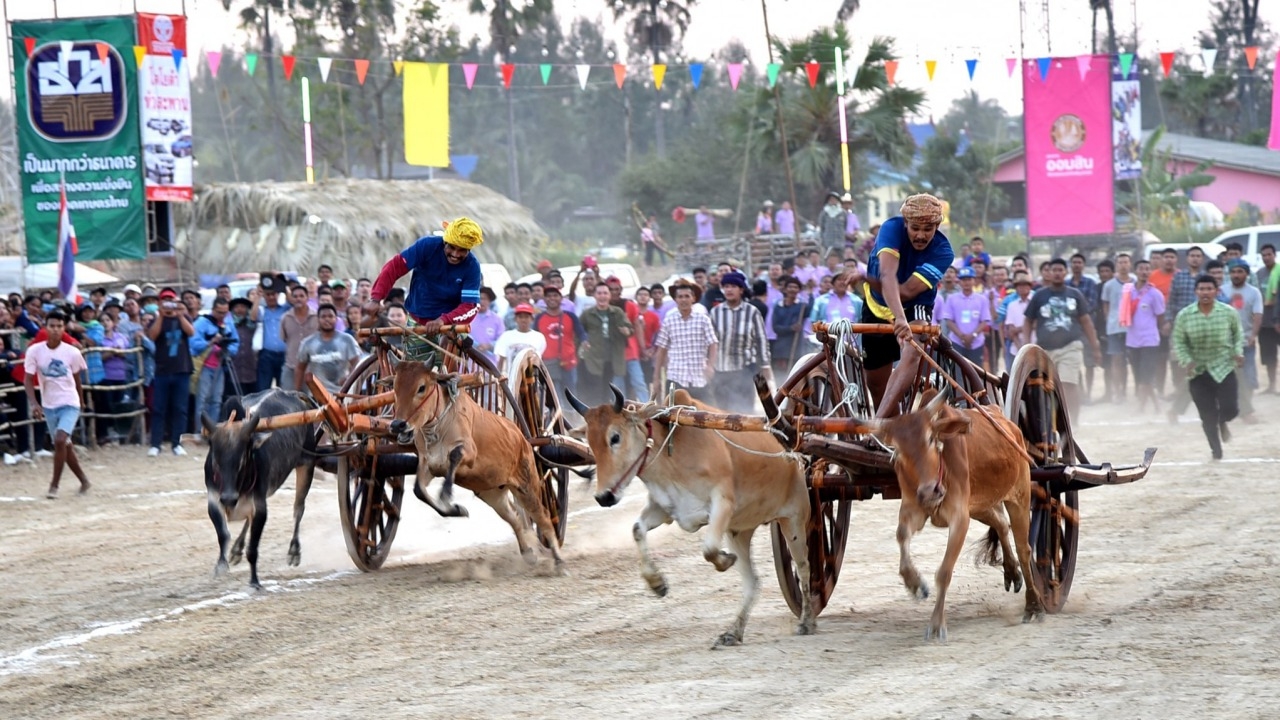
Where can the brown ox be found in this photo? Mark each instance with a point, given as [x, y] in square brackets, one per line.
[696, 478]
[953, 465]
[447, 427]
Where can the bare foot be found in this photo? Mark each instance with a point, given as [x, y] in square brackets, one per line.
[52, 494]
[85, 487]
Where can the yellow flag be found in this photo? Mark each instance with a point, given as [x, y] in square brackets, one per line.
[659, 72]
[398, 65]
[930, 66]
[426, 114]
[139, 52]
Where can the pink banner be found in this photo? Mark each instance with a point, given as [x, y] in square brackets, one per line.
[1068, 132]
[1274, 142]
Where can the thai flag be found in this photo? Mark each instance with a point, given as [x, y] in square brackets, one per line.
[67, 250]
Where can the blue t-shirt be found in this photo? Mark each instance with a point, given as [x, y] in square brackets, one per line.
[437, 286]
[927, 264]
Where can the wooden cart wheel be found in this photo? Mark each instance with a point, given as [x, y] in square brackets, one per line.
[829, 518]
[539, 404]
[1034, 400]
[368, 507]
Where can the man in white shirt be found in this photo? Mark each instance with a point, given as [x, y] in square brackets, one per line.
[511, 342]
[1015, 317]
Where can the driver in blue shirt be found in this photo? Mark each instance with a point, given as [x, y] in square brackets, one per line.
[906, 264]
[445, 287]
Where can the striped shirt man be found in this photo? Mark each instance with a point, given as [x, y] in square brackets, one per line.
[686, 340]
[742, 338]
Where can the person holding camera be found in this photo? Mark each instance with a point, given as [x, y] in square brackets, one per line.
[213, 345]
[171, 388]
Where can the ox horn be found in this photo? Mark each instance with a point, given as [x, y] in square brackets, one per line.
[254, 419]
[935, 404]
[575, 402]
[618, 398]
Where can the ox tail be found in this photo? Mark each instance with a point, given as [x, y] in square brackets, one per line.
[989, 550]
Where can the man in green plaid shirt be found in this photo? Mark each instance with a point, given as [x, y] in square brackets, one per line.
[1208, 342]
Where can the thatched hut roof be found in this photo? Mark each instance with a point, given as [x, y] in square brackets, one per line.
[353, 225]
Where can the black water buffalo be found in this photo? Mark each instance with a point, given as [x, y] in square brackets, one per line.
[245, 467]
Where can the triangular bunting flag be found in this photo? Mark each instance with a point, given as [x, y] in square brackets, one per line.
[695, 74]
[1083, 64]
[619, 74]
[971, 65]
[362, 70]
[772, 70]
[931, 66]
[1010, 64]
[433, 69]
[545, 69]
[890, 70]
[250, 63]
[583, 72]
[325, 64]
[288, 62]
[811, 69]
[1250, 55]
[214, 58]
[659, 72]
[102, 52]
[1043, 64]
[1166, 62]
[177, 58]
[398, 66]
[735, 74]
[1126, 64]
[469, 72]
[30, 43]
[1210, 56]
[139, 52]
[508, 72]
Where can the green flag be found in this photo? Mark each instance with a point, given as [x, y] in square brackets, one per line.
[773, 69]
[1126, 62]
[546, 72]
[251, 62]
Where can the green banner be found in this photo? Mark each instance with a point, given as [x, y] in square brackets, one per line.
[77, 117]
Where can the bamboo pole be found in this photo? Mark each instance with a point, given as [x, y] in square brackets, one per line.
[416, 330]
[917, 328]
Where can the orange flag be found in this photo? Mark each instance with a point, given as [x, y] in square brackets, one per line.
[362, 69]
[890, 70]
[619, 74]
[1251, 54]
[102, 52]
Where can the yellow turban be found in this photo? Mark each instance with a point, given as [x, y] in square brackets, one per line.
[923, 207]
[464, 233]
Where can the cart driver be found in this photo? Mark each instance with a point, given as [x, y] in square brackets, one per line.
[903, 271]
[445, 288]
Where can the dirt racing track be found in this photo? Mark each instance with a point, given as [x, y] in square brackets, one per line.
[108, 608]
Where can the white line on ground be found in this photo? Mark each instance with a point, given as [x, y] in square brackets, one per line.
[1187, 463]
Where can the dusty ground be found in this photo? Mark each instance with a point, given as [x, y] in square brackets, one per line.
[108, 609]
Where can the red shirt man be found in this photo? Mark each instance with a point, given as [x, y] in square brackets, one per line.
[561, 329]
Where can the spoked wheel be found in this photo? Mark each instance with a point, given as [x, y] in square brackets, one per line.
[539, 405]
[369, 506]
[828, 517]
[1035, 402]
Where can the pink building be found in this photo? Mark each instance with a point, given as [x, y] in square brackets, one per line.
[1243, 173]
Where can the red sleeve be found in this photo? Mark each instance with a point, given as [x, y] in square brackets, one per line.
[460, 315]
[395, 269]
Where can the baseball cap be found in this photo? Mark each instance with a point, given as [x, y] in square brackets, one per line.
[337, 282]
[525, 308]
[168, 294]
[132, 288]
[149, 287]
[544, 264]
[965, 273]
[613, 280]
[1238, 263]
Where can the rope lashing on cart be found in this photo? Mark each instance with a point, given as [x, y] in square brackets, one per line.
[1021, 447]
[675, 410]
[843, 329]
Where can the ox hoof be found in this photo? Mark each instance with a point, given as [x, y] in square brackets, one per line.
[1036, 614]
[457, 510]
[295, 559]
[807, 628]
[220, 569]
[722, 560]
[659, 586]
[255, 586]
[1013, 582]
[931, 631]
[727, 640]
[919, 592]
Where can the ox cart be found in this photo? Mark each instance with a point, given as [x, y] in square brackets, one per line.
[816, 412]
[357, 445]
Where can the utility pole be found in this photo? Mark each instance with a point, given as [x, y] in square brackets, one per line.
[782, 126]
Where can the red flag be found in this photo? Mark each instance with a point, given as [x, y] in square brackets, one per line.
[362, 69]
[30, 42]
[102, 52]
[1166, 61]
[619, 74]
[812, 67]
[508, 70]
[890, 70]
[288, 61]
[1250, 54]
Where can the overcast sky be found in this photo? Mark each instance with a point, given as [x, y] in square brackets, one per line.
[949, 31]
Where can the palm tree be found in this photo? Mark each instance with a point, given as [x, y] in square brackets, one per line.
[507, 20]
[655, 25]
[1104, 6]
[1160, 194]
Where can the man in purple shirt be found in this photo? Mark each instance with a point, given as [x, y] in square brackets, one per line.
[967, 317]
[487, 325]
[784, 221]
[705, 223]
[1143, 338]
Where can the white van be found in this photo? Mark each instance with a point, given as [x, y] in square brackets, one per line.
[1252, 239]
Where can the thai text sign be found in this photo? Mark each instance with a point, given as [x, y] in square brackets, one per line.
[1069, 160]
[76, 118]
[164, 91]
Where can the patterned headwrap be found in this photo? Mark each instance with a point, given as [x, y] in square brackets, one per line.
[464, 233]
[924, 208]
